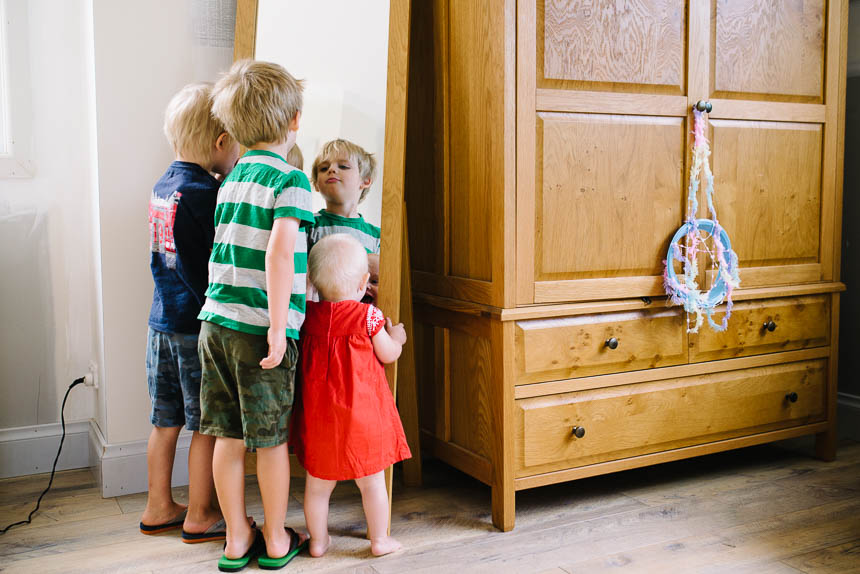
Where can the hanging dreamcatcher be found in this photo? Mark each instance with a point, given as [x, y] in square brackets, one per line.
[701, 236]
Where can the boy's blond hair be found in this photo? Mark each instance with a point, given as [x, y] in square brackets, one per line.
[366, 162]
[295, 157]
[336, 265]
[189, 124]
[256, 101]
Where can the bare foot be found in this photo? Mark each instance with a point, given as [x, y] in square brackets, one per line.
[318, 548]
[153, 516]
[384, 545]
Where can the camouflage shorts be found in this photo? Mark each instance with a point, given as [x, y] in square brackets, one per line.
[238, 398]
[173, 376]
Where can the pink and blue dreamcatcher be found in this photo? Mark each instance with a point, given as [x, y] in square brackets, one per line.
[691, 239]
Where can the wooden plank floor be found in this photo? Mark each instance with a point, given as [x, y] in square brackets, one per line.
[764, 509]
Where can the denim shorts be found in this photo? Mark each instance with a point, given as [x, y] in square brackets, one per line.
[173, 374]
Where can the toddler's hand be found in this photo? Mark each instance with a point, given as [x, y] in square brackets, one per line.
[396, 332]
[277, 347]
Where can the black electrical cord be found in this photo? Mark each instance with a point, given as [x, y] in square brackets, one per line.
[54, 468]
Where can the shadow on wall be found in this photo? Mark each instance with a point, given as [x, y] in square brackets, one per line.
[27, 318]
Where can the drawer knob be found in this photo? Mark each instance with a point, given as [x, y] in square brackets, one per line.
[578, 432]
[611, 343]
[791, 397]
[770, 326]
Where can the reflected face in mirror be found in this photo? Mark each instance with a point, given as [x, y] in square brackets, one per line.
[373, 281]
[339, 182]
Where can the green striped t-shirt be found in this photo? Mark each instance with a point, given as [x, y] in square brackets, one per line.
[261, 188]
[326, 223]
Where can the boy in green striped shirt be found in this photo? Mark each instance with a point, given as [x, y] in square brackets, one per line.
[255, 306]
[342, 173]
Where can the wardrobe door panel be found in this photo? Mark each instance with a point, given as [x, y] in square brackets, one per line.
[605, 209]
[781, 46]
[618, 46]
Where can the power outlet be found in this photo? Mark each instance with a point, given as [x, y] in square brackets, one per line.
[91, 379]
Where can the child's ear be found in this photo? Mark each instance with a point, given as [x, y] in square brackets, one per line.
[294, 123]
[222, 141]
[364, 281]
[366, 183]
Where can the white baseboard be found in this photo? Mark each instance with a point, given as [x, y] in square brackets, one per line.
[32, 449]
[848, 416]
[121, 468]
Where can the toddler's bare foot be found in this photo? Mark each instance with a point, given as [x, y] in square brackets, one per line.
[319, 547]
[384, 545]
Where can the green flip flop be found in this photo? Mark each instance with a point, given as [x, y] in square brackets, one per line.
[236, 564]
[265, 562]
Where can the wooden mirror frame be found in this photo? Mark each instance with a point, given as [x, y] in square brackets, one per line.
[391, 260]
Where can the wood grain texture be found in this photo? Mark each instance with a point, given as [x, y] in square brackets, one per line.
[471, 365]
[627, 42]
[589, 164]
[773, 275]
[781, 46]
[767, 111]
[825, 442]
[770, 506]
[801, 322]
[477, 127]
[639, 419]
[602, 102]
[648, 375]
[407, 401]
[570, 347]
[526, 152]
[597, 289]
[834, 144]
[661, 457]
[423, 191]
[390, 260]
[245, 35]
[501, 408]
[767, 181]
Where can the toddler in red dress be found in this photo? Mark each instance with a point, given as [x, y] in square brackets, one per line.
[345, 425]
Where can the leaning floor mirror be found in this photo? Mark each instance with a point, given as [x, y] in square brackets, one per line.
[352, 57]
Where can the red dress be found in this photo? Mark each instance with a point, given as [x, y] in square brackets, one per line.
[345, 424]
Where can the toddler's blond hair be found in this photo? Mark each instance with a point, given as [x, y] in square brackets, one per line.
[295, 157]
[256, 101]
[365, 160]
[189, 124]
[336, 265]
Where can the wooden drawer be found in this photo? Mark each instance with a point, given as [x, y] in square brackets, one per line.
[568, 347]
[632, 420]
[798, 322]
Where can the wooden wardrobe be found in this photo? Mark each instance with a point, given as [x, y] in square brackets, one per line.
[548, 154]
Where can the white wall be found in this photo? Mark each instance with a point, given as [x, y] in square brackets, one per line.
[49, 329]
[144, 52]
[340, 49]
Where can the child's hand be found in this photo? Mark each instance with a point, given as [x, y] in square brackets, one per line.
[277, 347]
[396, 332]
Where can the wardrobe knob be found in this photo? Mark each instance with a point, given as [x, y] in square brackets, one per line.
[791, 397]
[704, 106]
[770, 326]
[578, 432]
[611, 343]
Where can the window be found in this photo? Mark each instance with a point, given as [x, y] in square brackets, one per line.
[15, 117]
